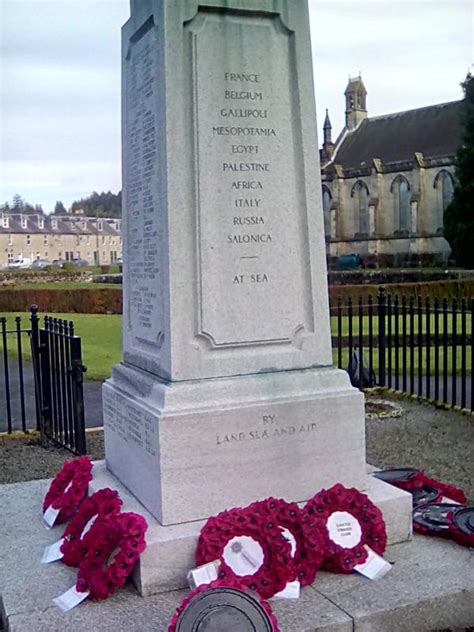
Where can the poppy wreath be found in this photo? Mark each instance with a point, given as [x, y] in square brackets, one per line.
[113, 547]
[418, 479]
[102, 505]
[277, 568]
[462, 531]
[288, 516]
[228, 582]
[434, 519]
[69, 488]
[318, 511]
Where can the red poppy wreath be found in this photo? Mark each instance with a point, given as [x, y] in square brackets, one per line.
[102, 505]
[255, 553]
[113, 547]
[219, 583]
[413, 480]
[288, 517]
[69, 488]
[349, 522]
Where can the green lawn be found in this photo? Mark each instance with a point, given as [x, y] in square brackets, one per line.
[416, 360]
[101, 338]
[392, 323]
[102, 344]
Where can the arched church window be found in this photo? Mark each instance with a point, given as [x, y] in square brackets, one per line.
[401, 204]
[327, 198]
[360, 197]
[444, 183]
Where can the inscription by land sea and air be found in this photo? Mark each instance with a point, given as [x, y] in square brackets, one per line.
[271, 427]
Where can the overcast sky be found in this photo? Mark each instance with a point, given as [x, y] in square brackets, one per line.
[60, 79]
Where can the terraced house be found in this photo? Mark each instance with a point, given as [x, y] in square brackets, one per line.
[388, 179]
[65, 237]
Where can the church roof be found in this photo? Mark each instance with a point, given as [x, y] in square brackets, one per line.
[435, 131]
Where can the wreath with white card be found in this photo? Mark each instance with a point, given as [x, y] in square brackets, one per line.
[102, 505]
[67, 490]
[114, 546]
[351, 526]
[249, 549]
[288, 517]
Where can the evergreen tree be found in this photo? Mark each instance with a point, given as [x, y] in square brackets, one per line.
[100, 205]
[459, 215]
[59, 208]
[18, 203]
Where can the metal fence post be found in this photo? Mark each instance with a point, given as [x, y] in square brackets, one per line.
[78, 369]
[381, 311]
[35, 354]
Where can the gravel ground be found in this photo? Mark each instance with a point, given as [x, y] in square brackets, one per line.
[438, 441]
[23, 459]
[432, 439]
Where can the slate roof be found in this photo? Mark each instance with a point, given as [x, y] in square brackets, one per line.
[434, 131]
[63, 225]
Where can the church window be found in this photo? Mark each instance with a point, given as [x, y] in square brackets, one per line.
[327, 211]
[401, 205]
[444, 183]
[360, 197]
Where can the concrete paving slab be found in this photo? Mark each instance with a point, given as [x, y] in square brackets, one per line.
[430, 587]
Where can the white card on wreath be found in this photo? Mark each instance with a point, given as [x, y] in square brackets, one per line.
[50, 516]
[204, 574]
[374, 566]
[52, 553]
[449, 501]
[290, 591]
[70, 599]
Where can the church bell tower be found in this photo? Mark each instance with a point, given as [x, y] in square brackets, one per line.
[356, 110]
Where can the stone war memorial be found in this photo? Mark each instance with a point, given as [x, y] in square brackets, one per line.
[226, 393]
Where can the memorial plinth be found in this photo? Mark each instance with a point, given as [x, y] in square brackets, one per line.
[226, 393]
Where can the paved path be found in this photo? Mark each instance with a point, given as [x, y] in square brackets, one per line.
[92, 398]
[430, 587]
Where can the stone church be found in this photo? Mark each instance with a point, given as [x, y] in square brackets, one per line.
[387, 180]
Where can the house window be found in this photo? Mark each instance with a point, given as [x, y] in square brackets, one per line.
[5, 222]
[45, 240]
[10, 257]
[54, 224]
[28, 240]
[10, 240]
[401, 205]
[23, 222]
[360, 197]
[103, 239]
[88, 240]
[99, 226]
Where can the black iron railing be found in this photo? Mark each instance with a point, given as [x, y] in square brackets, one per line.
[418, 346]
[14, 398]
[43, 380]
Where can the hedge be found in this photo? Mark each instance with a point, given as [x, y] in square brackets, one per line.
[457, 289]
[94, 300]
